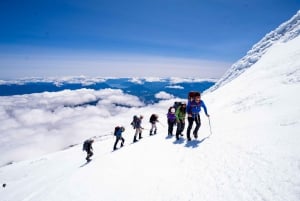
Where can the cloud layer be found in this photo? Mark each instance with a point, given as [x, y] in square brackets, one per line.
[41, 123]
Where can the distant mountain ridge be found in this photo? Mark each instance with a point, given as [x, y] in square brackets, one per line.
[284, 33]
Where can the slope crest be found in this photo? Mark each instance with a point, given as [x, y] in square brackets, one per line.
[284, 33]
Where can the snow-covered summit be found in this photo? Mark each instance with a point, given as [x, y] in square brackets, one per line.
[284, 33]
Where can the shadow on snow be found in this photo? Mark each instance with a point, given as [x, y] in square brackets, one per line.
[195, 143]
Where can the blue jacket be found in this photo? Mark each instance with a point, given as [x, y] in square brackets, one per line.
[194, 108]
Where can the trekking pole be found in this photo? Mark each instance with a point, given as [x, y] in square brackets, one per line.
[209, 126]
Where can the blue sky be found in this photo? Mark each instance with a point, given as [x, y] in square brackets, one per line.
[134, 37]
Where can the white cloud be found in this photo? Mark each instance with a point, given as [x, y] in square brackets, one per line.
[154, 79]
[176, 80]
[175, 87]
[58, 81]
[163, 95]
[141, 80]
[36, 124]
[136, 80]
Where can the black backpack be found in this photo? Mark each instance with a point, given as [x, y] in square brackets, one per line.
[86, 145]
[153, 118]
[133, 123]
[176, 105]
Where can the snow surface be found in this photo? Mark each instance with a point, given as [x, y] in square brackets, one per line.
[253, 153]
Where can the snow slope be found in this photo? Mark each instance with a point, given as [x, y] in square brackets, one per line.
[253, 153]
[285, 32]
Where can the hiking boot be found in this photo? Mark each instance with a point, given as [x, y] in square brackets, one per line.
[154, 132]
[150, 132]
[195, 135]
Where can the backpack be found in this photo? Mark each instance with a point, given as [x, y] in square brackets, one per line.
[116, 129]
[176, 105]
[192, 95]
[133, 123]
[153, 118]
[85, 145]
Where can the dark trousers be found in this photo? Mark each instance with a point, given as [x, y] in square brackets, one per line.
[89, 154]
[198, 124]
[170, 127]
[180, 128]
[117, 140]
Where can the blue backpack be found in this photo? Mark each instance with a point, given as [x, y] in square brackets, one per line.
[116, 129]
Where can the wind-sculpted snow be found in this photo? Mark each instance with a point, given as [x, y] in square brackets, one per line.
[284, 33]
